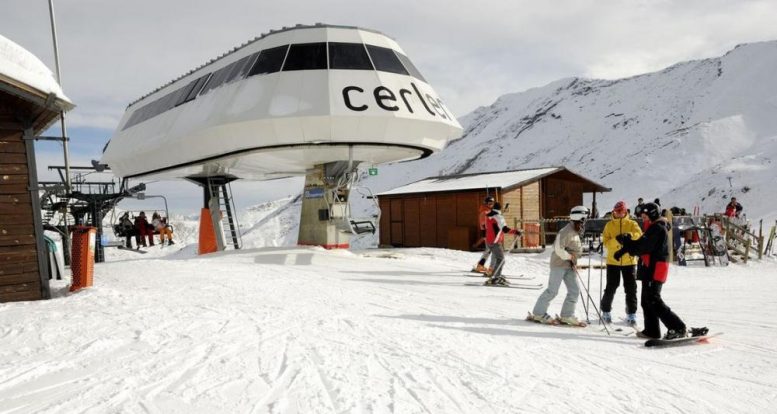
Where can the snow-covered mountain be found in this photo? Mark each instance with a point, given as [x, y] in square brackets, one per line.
[693, 134]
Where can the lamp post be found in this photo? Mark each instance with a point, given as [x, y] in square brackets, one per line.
[65, 150]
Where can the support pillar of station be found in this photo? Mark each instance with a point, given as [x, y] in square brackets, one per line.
[211, 233]
[322, 218]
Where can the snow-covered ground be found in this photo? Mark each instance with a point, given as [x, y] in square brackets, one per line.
[302, 330]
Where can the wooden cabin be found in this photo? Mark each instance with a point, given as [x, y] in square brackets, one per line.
[443, 211]
[30, 101]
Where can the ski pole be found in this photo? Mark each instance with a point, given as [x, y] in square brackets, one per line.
[582, 298]
[589, 296]
[590, 247]
[601, 269]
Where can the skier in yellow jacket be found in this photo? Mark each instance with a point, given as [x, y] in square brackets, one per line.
[620, 224]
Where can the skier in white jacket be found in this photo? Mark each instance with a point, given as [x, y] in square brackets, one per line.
[566, 249]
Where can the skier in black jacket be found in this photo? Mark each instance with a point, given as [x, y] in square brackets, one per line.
[653, 269]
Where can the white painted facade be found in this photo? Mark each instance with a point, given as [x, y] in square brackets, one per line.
[283, 123]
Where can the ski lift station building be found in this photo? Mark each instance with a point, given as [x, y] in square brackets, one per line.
[443, 211]
[30, 101]
[307, 100]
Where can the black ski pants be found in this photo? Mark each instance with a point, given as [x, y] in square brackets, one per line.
[614, 273]
[655, 310]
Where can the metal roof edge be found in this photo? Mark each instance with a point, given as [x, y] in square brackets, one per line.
[250, 42]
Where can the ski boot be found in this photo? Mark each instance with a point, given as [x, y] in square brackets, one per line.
[496, 281]
[572, 321]
[479, 269]
[544, 319]
[699, 331]
[675, 334]
[607, 317]
[631, 319]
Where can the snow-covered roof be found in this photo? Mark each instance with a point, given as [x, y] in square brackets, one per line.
[19, 66]
[473, 181]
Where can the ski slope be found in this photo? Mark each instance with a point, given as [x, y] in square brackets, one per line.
[305, 330]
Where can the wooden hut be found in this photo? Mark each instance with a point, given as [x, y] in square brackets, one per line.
[30, 101]
[443, 211]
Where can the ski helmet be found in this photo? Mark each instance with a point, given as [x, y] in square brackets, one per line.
[578, 213]
[488, 199]
[652, 211]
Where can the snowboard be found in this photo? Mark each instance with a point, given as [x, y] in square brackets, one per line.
[529, 286]
[655, 343]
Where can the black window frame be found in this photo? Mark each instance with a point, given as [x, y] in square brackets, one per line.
[333, 53]
[409, 66]
[300, 58]
[385, 60]
[196, 88]
[267, 62]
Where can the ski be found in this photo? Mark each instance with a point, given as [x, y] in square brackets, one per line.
[131, 249]
[510, 286]
[510, 277]
[661, 343]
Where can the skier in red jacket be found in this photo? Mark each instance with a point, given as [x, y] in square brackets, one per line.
[495, 234]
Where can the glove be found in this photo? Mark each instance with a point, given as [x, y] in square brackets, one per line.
[517, 232]
[623, 238]
[617, 255]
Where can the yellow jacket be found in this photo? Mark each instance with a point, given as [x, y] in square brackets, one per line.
[613, 228]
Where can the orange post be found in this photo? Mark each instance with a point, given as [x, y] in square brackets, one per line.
[207, 234]
[82, 257]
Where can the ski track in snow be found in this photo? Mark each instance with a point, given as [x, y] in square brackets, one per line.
[298, 330]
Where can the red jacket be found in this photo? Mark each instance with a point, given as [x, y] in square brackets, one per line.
[496, 228]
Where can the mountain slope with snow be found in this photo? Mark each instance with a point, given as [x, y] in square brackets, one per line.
[693, 134]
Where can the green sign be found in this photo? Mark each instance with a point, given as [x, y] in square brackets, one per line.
[373, 171]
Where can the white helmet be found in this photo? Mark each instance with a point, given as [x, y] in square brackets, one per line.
[578, 213]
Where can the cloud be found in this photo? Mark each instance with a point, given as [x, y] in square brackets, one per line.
[114, 52]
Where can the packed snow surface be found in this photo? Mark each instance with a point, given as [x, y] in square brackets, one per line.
[302, 330]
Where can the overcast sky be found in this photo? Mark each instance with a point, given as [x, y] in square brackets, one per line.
[471, 52]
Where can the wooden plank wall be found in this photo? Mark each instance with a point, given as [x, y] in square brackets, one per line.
[524, 204]
[19, 276]
[561, 195]
[446, 220]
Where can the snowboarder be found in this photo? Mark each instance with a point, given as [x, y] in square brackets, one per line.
[495, 233]
[563, 261]
[624, 267]
[488, 205]
[653, 269]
